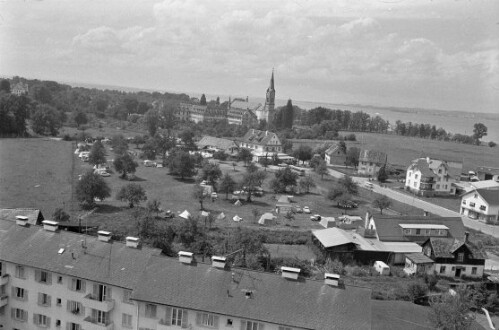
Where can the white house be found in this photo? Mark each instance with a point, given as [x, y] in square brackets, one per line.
[429, 177]
[481, 204]
[261, 141]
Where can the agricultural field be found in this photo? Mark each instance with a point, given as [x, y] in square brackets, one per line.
[402, 149]
[36, 173]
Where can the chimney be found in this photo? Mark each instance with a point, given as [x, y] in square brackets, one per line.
[50, 225]
[332, 279]
[132, 242]
[466, 236]
[185, 257]
[290, 272]
[366, 223]
[218, 262]
[104, 236]
[21, 220]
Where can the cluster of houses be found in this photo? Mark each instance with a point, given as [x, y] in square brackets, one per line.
[423, 244]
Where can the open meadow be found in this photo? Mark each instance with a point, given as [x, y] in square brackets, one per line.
[35, 173]
[402, 149]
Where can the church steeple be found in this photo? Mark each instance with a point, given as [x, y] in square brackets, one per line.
[270, 97]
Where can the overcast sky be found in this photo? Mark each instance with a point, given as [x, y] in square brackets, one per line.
[419, 53]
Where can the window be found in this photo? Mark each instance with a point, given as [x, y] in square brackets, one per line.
[59, 279]
[251, 325]
[57, 323]
[101, 292]
[229, 322]
[418, 231]
[472, 204]
[20, 293]
[126, 320]
[150, 311]
[126, 296]
[43, 299]
[58, 302]
[441, 232]
[100, 317]
[407, 231]
[442, 269]
[73, 326]
[20, 272]
[19, 314]
[415, 184]
[460, 257]
[483, 207]
[427, 231]
[416, 176]
[464, 202]
[177, 316]
[1, 265]
[439, 171]
[41, 320]
[473, 270]
[207, 320]
[438, 186]
[75, 307]
[77, 285]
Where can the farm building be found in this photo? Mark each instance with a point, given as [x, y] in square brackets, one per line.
[370, 161]
[213, 144]
[335, 155]
[418, 263]
[283, 205]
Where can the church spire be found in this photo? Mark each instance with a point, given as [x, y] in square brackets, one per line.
[272, 80]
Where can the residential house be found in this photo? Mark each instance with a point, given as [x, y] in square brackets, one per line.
[418, 264]
[429, 177]
[487, 173]
[454, 257]
[20, 89]
[214, 144]
[242, 112]
[370, 161]
[335, 155]
[261, 142]
[481, 204]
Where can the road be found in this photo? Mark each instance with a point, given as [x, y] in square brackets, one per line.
[424, 205]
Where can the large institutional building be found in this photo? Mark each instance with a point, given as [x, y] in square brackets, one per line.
[53, 279]
[237, 111]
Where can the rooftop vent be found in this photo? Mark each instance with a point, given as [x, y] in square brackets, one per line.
[132, 242]
[104, 236]
[50, 225]
[332, 279]
[290, 272]
[21, 220]
[185, 257]
[218, 262]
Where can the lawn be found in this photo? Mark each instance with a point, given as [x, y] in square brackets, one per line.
[36, 173]
[402, 149]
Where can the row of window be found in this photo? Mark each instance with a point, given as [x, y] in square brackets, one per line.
[425, 232]
[472, 204]
[473, 270]
[40, 320]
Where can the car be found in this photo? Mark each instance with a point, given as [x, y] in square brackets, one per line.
[104, 174]
[315, 217]
[306, 209]
[149, 163]
[298, 209]
[168, 214]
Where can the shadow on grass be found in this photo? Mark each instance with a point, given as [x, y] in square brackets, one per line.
[185, 180]
[106, 208]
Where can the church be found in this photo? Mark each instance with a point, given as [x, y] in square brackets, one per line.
[238, 111]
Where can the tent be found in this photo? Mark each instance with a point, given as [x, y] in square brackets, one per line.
[185, 214]
[221, 216]
[236, 218]
[328, 222]
[267, 219]
[205, 214]
[238, 203]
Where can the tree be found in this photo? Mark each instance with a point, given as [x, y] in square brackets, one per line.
[149, 150]
[321, 169]
[133, 193]
[46, 120]
[90, 187]
[347, 183]
[287, 146]
[152, 121]
[187, 137]
[227, 185]
[256, 213]
[285, 178]
[60, 215]
[303, 153]
[97, 154]
[306, 183]
[416, 291]
[382, 175]
[5, 86]
[14, 111]
[453, 311]
[287, 116]
[245, 155]
[125, 164]
[198, 194]
[119, 144]
[138, 139]
[382, 203]
[479, 131]
[252, 178]
[211, 173]
[80, 118]
[352, 158]
[203, 100]
[181, 164]
[154, 206]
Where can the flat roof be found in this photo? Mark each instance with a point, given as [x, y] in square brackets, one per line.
[422, 226]
[402, 247]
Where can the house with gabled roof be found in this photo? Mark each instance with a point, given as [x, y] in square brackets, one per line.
[481, 204]
[335, 155]
[370, 162]
[454, 257]
[214, 144]
[20, 89]
[261, 141]
[33, 216]
[429, 177]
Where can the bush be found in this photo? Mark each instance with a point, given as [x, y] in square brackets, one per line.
[67, 137]
[416, 291]
[357, 271]
[492, 144]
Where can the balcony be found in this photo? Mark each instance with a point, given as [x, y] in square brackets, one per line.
[91, 324]
[105, 305]
[4, 300]
[4, 279]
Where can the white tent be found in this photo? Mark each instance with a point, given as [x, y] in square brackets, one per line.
[185, 214]
[205, 214]
[221, 216]
[267, 219]
[236, 218]
[238, 203]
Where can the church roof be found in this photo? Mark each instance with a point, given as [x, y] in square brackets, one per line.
[245, 105]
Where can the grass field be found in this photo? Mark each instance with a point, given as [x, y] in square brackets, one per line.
[35, 173]
[401, 149]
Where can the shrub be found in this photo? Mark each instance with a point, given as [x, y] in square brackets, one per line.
[416, 291]
[492, 144]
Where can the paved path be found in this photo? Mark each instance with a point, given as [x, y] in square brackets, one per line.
[424, 205]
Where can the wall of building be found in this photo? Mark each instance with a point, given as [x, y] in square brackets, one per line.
[450, 270]
[474, 212]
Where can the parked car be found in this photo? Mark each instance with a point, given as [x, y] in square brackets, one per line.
[306, 209]
[104, 174]
[149, 163]
[298, 209]
[315, 217]
[168, 214]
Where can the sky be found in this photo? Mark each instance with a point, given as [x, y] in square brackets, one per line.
[426, 54]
